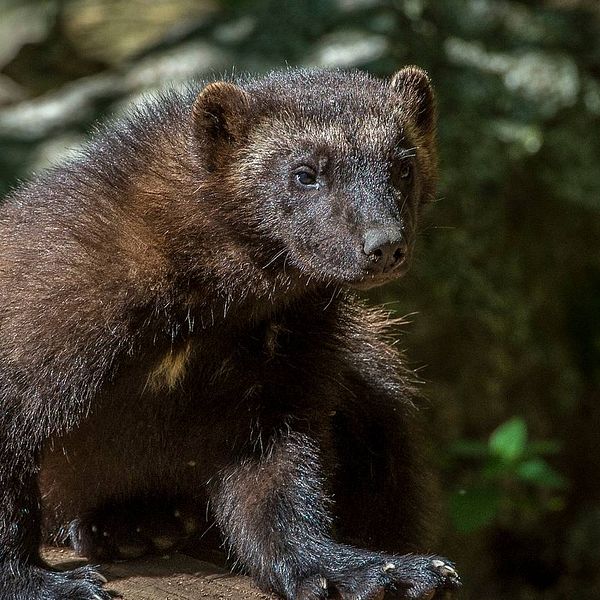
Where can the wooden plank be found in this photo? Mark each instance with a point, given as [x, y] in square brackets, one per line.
[171, 577]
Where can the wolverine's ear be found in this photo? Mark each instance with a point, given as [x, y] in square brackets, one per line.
[220, 114]
[413, 86]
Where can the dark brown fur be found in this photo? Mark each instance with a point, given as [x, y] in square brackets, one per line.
[172, 332]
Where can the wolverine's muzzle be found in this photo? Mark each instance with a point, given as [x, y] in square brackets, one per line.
[385, 248]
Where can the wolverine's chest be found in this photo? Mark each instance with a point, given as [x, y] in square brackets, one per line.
[202, 390]
[215, 362]
[166, 422]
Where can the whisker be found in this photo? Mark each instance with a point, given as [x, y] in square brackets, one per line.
[280, 253]
[336, 291]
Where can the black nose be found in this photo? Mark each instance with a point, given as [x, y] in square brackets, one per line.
[385, 247]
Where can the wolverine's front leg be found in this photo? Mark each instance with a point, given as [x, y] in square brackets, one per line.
[50, 382]
[274, 511]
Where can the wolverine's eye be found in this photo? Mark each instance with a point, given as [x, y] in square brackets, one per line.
[405, 170]
[306, 177]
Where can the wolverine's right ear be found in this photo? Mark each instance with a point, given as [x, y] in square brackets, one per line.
[220, 115]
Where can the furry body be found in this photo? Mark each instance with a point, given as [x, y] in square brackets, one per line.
[172, 332]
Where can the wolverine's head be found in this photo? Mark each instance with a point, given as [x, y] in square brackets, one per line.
[328, 169]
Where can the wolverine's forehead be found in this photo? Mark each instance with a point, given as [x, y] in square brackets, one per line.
[349, 114]
[354, 134]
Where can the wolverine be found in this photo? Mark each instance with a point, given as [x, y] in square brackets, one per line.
[179, 330]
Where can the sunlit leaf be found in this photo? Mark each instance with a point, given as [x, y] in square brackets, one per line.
[508, 441]
[538, 471]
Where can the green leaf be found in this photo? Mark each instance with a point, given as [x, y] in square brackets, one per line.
[538, 471]
[475, 507]
[509, 440]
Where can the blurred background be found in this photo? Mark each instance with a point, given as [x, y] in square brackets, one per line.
[504, 297]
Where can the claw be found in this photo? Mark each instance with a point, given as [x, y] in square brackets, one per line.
[98, 577]
[443, 569]
[447, 571]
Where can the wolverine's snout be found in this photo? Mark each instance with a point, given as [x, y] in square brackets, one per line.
[386, 248]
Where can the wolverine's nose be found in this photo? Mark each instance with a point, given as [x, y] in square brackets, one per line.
[385, 247]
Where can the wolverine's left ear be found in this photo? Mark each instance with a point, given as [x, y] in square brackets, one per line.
[220, 117]
[413, 86]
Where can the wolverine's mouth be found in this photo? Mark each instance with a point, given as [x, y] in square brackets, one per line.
[371, 280]
[357, 272]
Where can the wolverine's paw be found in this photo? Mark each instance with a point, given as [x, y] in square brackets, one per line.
[420, 577]
[129, 533]
[26, 582]
[376, 577]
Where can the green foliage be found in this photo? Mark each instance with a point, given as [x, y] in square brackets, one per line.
[509, 472]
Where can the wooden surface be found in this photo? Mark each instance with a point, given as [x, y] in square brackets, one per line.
[171, 577]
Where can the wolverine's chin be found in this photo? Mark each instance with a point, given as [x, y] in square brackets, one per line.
[369, 281]
[358, 278]
[367, 284]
